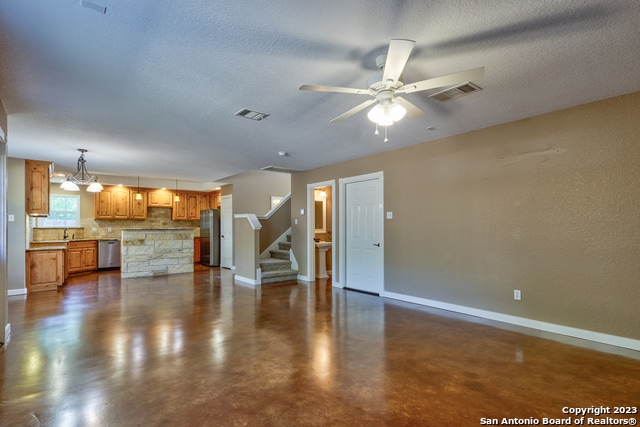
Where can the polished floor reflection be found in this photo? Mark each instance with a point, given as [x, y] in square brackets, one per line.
[196, 350]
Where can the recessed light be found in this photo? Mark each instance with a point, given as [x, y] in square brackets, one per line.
[430, 128]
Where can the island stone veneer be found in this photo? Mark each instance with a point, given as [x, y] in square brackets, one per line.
[156, 252]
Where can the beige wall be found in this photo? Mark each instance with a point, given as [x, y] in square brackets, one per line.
[16, 230]
[4, 322]
[252, 190]
[549, 205]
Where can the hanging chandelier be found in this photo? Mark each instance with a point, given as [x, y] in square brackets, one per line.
[82, 177]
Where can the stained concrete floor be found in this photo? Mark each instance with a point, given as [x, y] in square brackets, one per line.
[197, 350]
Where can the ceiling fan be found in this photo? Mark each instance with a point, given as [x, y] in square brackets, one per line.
[385, 87]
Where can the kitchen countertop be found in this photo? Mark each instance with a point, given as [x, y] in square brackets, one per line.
[67, 241]
[47, 248]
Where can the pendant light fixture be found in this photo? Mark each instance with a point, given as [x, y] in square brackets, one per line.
[176, 197]
[139, 194]
[82, 176]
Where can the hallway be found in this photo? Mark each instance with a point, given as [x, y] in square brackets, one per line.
[196, 350]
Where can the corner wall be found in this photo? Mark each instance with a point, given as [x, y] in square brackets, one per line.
[548, 205]
[252, 190]
[16, 229]
[5, 328]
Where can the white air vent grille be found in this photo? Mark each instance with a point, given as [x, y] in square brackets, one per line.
[455, 92]
[280, 169]
[253, 115]
[91, 5]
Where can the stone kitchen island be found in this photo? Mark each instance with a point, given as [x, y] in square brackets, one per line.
[156, 252]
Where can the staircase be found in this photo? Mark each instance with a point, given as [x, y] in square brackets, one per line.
[278, 267]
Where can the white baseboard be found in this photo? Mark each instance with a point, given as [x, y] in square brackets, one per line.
[598, 337]
[246, 280]
[13, 292]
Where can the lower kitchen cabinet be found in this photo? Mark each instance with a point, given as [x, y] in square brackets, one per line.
[45, 269]
[196, 249]
[82, 256]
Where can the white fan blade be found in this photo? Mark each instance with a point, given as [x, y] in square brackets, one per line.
[353, 111]
[413, 112]
[448, 80]
[318, 88]
[399, 51]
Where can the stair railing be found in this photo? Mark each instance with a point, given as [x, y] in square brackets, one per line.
[275, 224]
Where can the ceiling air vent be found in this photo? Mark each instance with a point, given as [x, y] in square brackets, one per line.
[280, 169]
[253, 115]
[91, 5]
[455, 92]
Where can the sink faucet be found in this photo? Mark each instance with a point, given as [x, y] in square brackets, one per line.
[65, 236]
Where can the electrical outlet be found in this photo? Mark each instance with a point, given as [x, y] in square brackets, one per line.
[517, 295]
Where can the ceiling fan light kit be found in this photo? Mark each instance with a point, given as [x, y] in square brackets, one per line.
[386, 86]
[386, 114]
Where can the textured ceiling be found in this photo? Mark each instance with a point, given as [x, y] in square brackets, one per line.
[150, 88]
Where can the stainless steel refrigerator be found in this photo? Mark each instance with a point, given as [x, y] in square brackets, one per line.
[210, 237]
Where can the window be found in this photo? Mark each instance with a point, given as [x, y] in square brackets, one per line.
[64, 211]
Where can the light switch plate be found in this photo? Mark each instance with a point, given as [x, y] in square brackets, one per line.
[11, 218]
[389, 215]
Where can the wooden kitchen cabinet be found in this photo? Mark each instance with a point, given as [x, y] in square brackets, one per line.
[180, 211]
[121, 199]
[112, 203]
[188, 208]
[45, 269]
[82, 256]
[37, 174]
[138, 207]
[193, 206]
[214, 200]
[160, 199]
[204, 202]
[196, 250]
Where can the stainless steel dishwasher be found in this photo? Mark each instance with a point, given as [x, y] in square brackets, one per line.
[109, 253]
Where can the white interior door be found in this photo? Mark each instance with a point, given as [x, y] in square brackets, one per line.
[364, 232]
[226, 231]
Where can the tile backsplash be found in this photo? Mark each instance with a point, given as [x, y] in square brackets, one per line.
[159, 218]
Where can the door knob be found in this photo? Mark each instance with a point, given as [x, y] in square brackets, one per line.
[376, 244]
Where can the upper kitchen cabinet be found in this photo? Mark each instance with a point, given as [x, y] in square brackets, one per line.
[214, 200]
[113, 203]
[203, 202]
[37, 175]
[180, 211]
[138, 207]
[160, 199]
[190, 205]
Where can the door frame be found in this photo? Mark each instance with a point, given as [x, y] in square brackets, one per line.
[342, 245]
[228, 199]
[311, 217]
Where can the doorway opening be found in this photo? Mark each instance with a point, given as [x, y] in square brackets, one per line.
[321, 223]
